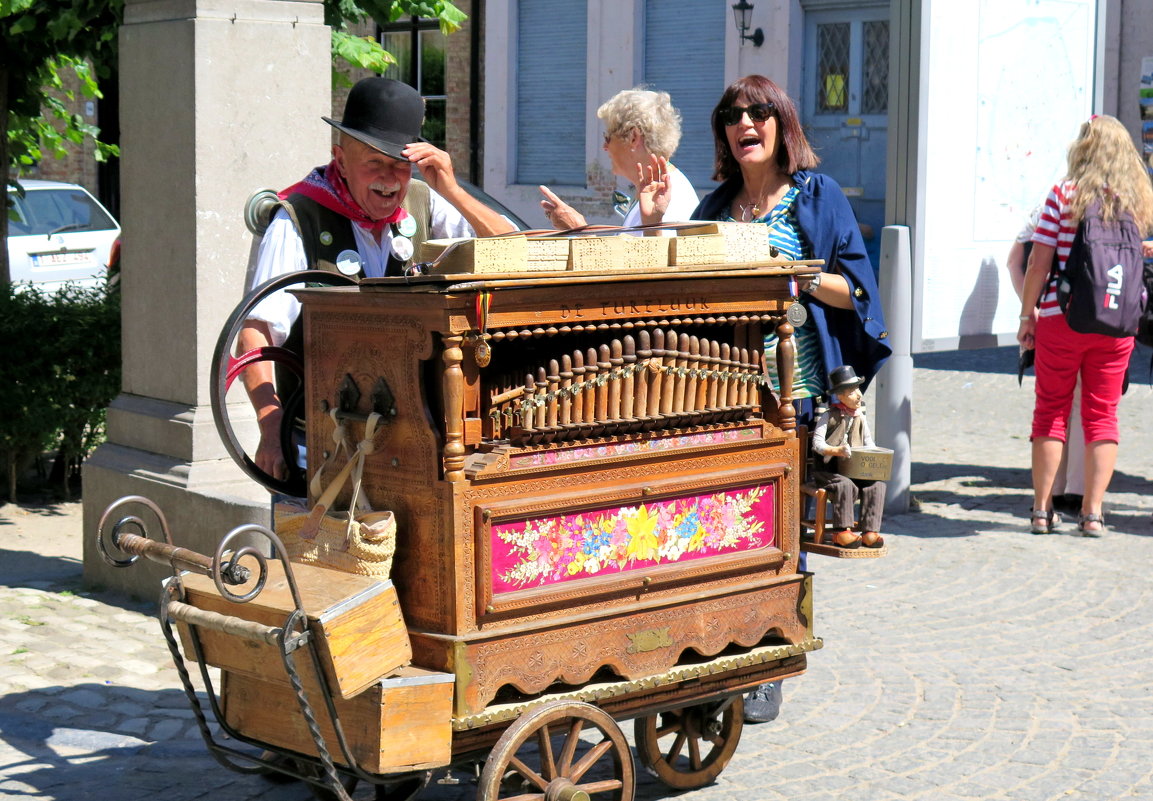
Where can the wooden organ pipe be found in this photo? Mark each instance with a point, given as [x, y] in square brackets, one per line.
[628, 394]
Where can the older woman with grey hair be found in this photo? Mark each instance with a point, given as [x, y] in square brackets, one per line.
[642, 131]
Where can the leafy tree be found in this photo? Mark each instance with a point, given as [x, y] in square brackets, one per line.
[43, 40]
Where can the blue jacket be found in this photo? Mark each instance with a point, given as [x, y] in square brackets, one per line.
[854, 336]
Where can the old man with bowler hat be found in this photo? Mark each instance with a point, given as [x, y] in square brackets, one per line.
[363, 215]
[839, 429]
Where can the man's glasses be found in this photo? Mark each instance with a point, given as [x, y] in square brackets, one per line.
[758, 112]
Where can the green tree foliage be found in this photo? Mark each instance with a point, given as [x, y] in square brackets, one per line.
[364, 51]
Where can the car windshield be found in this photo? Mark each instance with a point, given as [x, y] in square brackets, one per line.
[47, 211]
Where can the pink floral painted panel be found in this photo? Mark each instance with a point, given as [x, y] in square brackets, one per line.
[551, 550]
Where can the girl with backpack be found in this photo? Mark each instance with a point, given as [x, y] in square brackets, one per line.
[1106, 184]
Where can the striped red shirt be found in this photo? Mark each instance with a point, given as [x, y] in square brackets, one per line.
[1056, 229]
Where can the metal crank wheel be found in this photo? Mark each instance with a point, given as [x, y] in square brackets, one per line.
[226, 368]
[562, 751]
[689, 747]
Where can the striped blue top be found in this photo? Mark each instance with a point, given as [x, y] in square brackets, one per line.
[786, 237]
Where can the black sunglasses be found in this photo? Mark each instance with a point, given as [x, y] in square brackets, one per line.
[758, 112]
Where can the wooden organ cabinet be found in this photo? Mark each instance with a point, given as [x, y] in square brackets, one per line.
[592, 478]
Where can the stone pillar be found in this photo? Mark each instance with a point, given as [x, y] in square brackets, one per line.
[219, 98]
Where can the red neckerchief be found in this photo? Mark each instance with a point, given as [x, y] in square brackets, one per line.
[847, 411]
[326, 186]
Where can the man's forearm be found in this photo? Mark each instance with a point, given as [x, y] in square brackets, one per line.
[258, 379]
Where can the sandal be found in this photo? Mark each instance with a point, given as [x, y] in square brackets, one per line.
[1043, 521]
[1084, 521]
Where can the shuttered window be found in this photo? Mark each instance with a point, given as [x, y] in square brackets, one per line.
[685, 56]
[552, 51]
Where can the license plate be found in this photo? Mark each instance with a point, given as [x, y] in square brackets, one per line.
[62, 259]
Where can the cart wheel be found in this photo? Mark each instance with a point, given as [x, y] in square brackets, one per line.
[543, 757]
[717, 724]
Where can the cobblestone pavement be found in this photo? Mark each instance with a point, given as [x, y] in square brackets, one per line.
[973, 662]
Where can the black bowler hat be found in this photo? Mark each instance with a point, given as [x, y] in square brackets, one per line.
[844, 378]
[384, 114]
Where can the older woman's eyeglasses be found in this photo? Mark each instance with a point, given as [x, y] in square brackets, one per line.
[758, 112]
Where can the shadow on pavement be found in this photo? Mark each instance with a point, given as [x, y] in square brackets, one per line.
[61, 755]
[931, 487]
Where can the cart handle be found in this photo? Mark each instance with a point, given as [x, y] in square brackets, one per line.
[226, 624]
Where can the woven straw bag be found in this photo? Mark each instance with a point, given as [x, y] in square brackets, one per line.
[362, 540]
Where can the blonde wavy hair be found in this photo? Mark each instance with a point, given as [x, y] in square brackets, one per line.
[1104, 165]
[650, 113]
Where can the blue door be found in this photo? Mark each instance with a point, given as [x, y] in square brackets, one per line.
[845, 105]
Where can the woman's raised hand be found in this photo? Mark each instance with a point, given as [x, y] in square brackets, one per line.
[654, 190]
[559, 213]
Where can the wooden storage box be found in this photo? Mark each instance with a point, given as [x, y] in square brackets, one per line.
[743, 242]
[696, 249]
[355, 621]
[504, 254]
[645, 252]
[402, 722]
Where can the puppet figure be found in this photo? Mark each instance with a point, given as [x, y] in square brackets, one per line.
[838, 430]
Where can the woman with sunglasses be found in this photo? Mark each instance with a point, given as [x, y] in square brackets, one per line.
[765, 165]
[642, 131]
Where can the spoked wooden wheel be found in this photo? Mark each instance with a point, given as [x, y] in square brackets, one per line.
[689, 747]
[562, 751]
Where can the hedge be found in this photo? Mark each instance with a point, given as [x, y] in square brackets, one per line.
[61, 357]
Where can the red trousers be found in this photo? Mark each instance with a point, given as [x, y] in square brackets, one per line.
[1061, 355]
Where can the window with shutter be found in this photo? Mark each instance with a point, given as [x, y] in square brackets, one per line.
[552, 54]
[693, 75]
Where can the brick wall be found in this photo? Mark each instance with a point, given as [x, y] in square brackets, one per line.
[458, 87]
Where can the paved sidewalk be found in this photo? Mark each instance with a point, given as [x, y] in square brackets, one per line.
[974, 662]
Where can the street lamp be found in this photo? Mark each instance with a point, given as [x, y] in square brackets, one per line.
[741, 12]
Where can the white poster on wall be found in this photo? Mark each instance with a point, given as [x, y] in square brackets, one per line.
[1010, 82]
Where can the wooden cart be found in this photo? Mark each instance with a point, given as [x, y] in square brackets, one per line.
[596, 491]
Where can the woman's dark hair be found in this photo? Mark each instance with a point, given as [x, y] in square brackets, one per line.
[794, 153]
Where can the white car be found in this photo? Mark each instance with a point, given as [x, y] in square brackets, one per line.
[59, 233]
